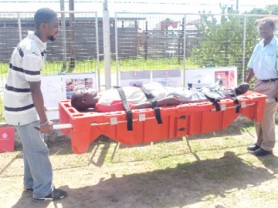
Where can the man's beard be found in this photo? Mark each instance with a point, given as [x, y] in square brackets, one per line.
[51, 38]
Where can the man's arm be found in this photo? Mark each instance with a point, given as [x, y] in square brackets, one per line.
[39, 105]
[250, 75]
[168, 101]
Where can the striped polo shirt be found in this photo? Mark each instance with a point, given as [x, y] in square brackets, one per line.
[26, 63]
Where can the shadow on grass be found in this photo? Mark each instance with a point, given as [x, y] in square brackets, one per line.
[186, 184]
[270, 162]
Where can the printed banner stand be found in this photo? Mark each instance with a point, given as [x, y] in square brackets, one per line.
[205, 77]
[61, 87]
[167, 77]
[134, 78]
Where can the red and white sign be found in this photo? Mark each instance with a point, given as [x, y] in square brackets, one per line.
[6, 139]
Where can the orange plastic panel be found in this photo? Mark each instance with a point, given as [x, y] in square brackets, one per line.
[178, 121]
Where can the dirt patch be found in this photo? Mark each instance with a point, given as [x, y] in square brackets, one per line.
[214, 171]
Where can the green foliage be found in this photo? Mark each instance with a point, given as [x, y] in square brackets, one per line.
[221, 41]
[269, 9]
[272, 9]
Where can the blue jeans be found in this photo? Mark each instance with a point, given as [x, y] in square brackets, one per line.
[37, 166]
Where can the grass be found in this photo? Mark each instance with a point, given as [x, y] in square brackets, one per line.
[54, 67]
[216, 173]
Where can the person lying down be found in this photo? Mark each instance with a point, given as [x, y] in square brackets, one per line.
[150, 95]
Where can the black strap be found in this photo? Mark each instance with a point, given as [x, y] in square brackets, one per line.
[147, 93]
[127, 108]
[20, 52]
[238, 106]
[153, 102]
[214, 101]
[158, 115]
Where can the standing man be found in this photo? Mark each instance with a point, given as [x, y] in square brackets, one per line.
[24, 106]
[263, 65]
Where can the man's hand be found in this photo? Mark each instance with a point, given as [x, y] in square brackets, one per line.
[46, 128]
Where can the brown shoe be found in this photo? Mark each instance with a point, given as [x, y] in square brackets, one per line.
[261, 152]
[253, 147]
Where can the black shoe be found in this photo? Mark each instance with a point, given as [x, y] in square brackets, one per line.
[56, 194]
[29, 190]
[253, 147]
[261, 152]
[242, 88]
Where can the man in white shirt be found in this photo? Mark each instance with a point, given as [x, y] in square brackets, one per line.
[263, 66]
[24, 106]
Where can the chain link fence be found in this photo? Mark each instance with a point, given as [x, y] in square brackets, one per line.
[139, 41]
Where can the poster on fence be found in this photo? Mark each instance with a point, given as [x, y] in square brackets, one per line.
[197, 78]
[52, 89]
[60, 87]
[75, 82]
[205, 77]
[167, 77]
[134, 78]
[228, 76]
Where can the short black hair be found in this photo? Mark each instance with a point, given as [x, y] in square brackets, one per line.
[76, 101]
[44, 15]
[269, 22]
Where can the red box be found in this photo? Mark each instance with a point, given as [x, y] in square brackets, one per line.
[6, 139]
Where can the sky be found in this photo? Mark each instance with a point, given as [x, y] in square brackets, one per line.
[163, 6]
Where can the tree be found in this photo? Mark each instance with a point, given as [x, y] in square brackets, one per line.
[221, 41]
[272, 9]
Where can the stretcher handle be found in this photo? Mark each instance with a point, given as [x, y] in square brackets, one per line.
[62, 126]
[69, 126]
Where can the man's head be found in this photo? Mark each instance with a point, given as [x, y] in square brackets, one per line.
[84, 100]
[47, 24]
[266, 28]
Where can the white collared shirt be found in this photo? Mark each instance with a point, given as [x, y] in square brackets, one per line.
[264, 60]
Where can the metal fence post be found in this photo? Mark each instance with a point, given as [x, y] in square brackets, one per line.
[19, 26]
[106, 45]
[97, 44]
[184, 49]
[244, 48]
[116, 50]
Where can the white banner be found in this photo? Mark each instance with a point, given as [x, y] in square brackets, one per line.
[139, 78]
[197, 78]
[170, 78]
[60, 87]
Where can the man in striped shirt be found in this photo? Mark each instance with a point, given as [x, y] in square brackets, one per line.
[24, 105]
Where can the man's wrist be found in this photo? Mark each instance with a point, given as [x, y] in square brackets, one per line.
[44, 123]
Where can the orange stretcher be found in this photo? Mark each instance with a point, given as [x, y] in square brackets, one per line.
[177, 121]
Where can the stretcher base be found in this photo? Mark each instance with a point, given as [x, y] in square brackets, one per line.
[178, 121]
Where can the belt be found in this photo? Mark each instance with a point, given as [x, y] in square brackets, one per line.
[269, 80]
